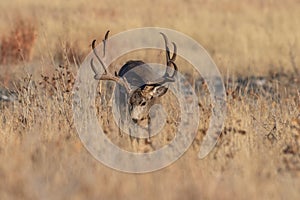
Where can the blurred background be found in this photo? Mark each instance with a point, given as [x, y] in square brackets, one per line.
[255, 44]
[241, 36]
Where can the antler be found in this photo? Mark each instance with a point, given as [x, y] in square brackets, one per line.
[106, 75]
[170, 62]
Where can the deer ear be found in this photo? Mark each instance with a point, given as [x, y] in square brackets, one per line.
[151, 91]
[158, 91]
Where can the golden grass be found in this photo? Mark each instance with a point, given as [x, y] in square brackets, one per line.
[261, 34]
[257, 156]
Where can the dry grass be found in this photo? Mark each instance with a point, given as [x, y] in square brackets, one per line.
[258, 154]
[18, 45]
[260, 33]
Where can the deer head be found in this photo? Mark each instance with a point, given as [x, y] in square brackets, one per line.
[149, 87]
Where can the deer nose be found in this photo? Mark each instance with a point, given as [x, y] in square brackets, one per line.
[134, 120]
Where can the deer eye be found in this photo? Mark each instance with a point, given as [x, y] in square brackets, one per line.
[143, 104]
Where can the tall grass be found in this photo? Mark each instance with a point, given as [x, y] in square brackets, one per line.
[257, 156]
[260, 33]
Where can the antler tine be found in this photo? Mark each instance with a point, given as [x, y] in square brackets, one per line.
[166, 78]
[106, 75]
[175, 70]
[98, 58]
[170, 61]
[97, 75]
[110, 77]
[166, 46]
[104, 42]
[106, 34]
[175, 52]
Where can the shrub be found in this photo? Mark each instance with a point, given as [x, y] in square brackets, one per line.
[18, 45]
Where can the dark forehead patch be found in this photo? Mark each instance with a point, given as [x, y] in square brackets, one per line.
[136, 98]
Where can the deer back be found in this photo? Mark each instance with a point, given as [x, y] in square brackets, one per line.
[137, 73]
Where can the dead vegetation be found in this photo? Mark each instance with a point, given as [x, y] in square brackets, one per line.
[18, 44]
[257, 156]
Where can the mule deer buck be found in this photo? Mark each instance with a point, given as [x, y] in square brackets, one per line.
[138, 84]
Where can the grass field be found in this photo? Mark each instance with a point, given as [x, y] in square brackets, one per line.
[258, 155]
